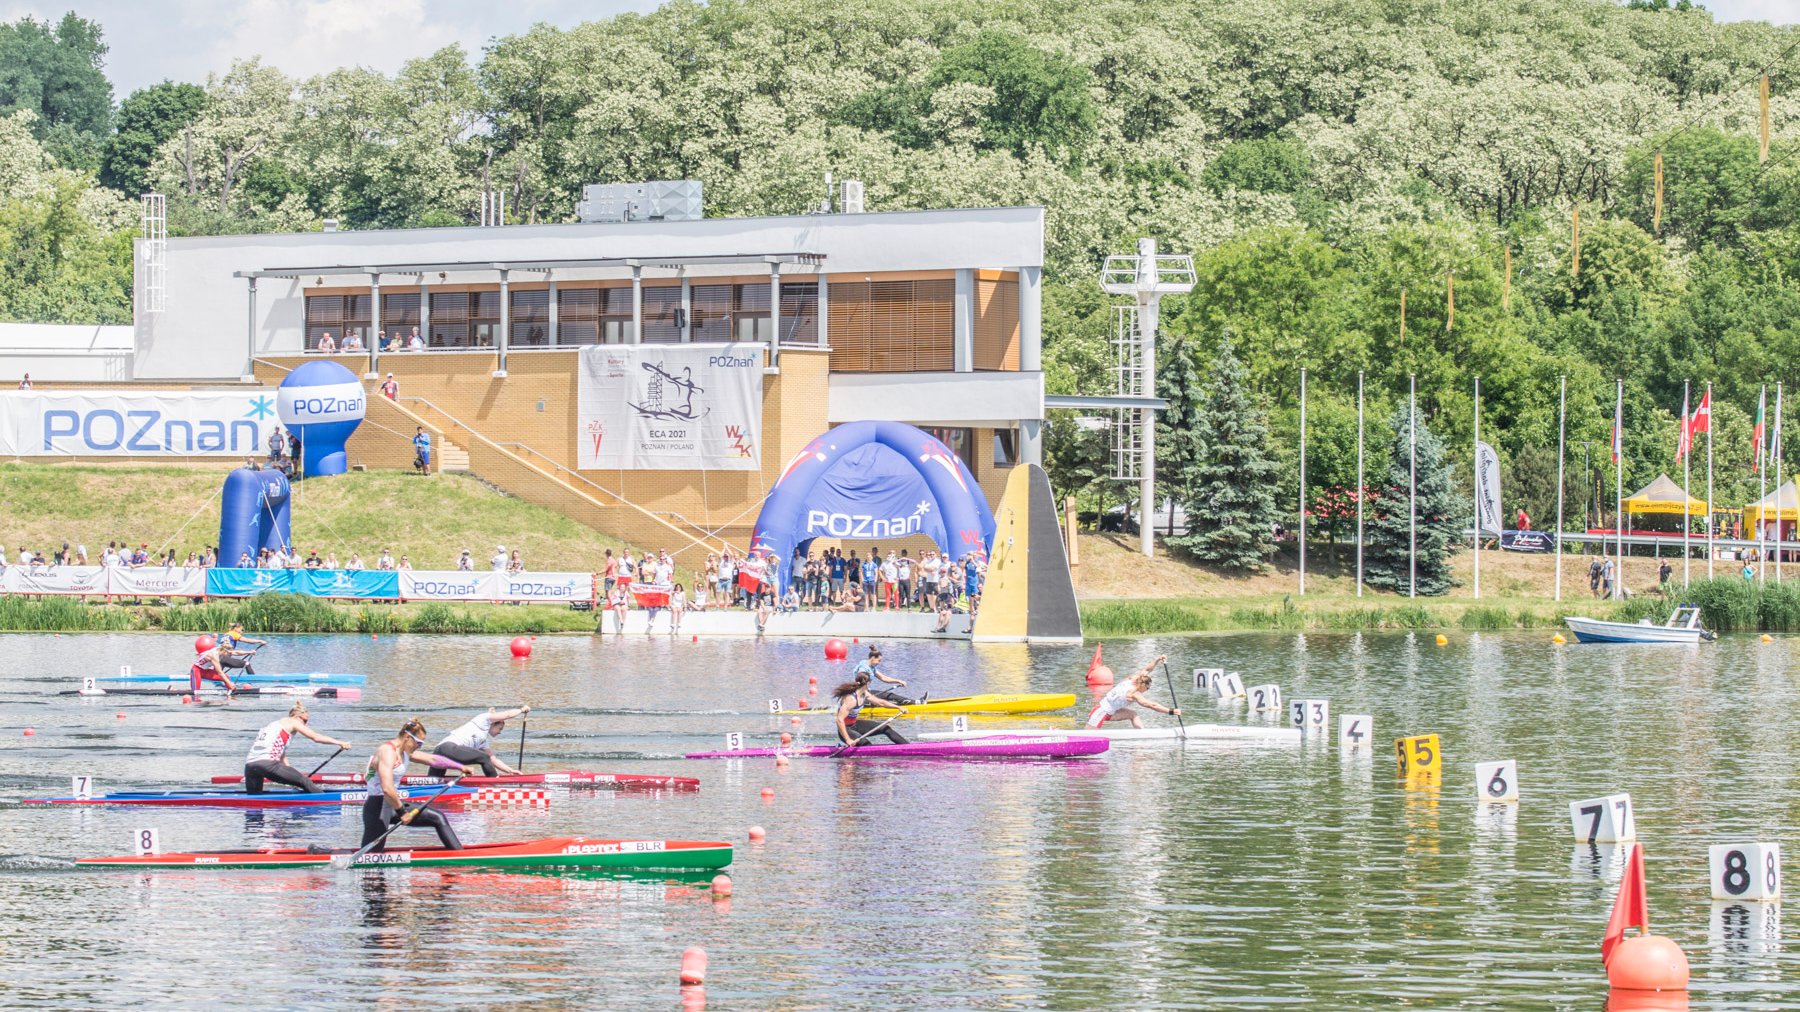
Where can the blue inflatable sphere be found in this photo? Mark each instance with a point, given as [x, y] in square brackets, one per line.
[321, 403]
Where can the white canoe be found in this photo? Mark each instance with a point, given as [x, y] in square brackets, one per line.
[1193, 732]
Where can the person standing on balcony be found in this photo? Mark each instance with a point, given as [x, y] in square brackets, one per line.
[326, 345]
[353, 341]
[390, 388]
[416, 343]
[422, 451]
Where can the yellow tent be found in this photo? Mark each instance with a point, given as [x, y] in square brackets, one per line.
[1781, 504]
[1664, 496]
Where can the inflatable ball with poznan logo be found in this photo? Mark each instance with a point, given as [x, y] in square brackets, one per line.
[321, 403]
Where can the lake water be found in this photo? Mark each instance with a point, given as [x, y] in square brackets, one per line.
[1211, 876]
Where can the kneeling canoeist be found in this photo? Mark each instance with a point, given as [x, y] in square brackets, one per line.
[1115, 704]
[268, 753]
[871, 667]
[473, 743]
[210, 667]
[385, 805]
[851, 697]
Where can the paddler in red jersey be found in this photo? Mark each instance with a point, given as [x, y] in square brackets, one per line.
[386, 805]
[1117, 699]
[210, 667]
[267, 759]
[851, 697]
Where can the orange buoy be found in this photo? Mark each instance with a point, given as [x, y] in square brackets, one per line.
[693, 965]
[836, 650]
[1648, 963]
[812, 690]
[812, 679]
[32, 730]
[795, 720]
[696, 638]
[1098, 673]
[768, 793]
[781, 762]
[786, 738]
[757, 834]
[1442, 640]
[721, 885]
[1766, 638]
[1621, 1000]
[120, 715]
[521, 647]
[187, 699]
[374, 636]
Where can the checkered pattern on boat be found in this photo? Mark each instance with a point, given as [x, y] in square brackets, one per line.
[530, 797]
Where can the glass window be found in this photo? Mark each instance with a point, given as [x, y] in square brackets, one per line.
[1006, 447]
[892, 326]
[530, 321]
[960, 442]
[578, 315]
[337, 315]
[661, 303]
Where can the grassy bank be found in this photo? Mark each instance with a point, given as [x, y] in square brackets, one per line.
[289, 613]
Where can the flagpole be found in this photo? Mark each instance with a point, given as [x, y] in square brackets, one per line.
[1302, 481]
[1762, 477]
[1711, 527]
[1687, 482]
[1412, 487]
[1477, 453]
[1775, 451]
[1359, 482]
[1619, 486]
[1562, 407]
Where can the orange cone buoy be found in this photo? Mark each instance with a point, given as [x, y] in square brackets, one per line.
[1558, 639]
[1098, 673]
[693, 965]
[721, 885]
[757, 834]
[1644, 962]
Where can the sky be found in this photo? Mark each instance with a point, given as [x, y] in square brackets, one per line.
[184, 40]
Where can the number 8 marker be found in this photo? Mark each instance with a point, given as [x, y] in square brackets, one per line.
[146, 842]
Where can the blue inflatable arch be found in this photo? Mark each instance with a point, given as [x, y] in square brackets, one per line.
[874, 481]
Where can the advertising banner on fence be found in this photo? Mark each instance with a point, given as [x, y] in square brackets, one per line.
[156, 581]
[163, 423]
[368, 584]
[53, 580]
[1528, 541]
[678, 407]
[250, 582]
[424, 585]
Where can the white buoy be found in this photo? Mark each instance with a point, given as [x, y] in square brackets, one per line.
[1203, 678]
[1229, 685]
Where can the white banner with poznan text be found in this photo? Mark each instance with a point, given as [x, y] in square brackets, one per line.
[163, 423]
[682, 407]
[454, 585]
[157, 581]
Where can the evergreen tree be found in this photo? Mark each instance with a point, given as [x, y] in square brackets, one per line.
[1443, 515]
[1180, 382]
[1230, 495]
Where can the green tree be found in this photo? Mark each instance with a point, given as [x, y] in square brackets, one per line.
[1442, 514]
[55, 71]
[1180, 446]
[1231, 490]
[147, 118]
[1078, 457]
[1264, 164]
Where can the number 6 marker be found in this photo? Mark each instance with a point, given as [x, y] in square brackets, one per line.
[1497, 782]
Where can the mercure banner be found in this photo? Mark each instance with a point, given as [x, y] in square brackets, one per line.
[686, 407]
[162, 423]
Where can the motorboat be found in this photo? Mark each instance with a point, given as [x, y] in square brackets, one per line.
[1682, 627]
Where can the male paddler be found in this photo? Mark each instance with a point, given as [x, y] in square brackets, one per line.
[473, 742]
[267, 759]
[233, 654]
[1116, 702]
[210, 667]
[386, 805]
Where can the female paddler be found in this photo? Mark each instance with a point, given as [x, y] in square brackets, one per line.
[267, 759]
[473, 743]
[1116, 702]
[385, 805]
[851, 697]
[210, 667]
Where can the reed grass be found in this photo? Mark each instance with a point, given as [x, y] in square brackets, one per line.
[1325, 613]
[60, 614]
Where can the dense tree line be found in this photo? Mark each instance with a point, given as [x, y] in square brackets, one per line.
[1322, 162]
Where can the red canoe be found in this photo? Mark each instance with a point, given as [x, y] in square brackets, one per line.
[572, 778]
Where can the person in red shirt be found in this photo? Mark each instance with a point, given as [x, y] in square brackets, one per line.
[1524, 522]
[390, 388]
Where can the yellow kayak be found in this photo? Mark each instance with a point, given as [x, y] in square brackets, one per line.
[1031, 702]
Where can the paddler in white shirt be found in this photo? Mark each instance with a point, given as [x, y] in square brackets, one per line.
[267, 759]
[1118, 699]
[473, 742]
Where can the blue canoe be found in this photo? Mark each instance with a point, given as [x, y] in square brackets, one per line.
[283, 798]
[313, 678]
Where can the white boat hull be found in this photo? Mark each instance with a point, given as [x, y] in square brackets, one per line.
[1193, 732]
[1590, 630]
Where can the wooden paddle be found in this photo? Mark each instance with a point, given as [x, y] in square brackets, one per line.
[328, 759]
[1174, 703]
[864, 737]
[341, 862]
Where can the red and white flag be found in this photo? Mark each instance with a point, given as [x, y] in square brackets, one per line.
[1702, 420]
[1632, 907]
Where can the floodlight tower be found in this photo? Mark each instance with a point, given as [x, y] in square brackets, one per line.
[1147, 276]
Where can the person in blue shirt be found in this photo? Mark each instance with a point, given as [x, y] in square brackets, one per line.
[231, 648]
[869, 568]
[871, 667]
[422, 445]
[837, 574]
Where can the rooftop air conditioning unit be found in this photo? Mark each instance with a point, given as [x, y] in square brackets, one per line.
[853, 196]
[656, 200]
[329, 225]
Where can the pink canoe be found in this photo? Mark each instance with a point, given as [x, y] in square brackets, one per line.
[999, 746]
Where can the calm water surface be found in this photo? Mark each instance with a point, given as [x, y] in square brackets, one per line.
[1212, 876]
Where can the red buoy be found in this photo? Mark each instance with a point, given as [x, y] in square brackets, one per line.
[768, 793]
[521, 647]
[693, 966]
[836, 650]
[721, 885]
[1098, 673]
[32, 730]
[757, 834]
[203, 643]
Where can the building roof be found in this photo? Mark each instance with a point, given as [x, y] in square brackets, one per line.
[669, 263]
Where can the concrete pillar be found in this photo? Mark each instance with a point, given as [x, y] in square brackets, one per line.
[774, 316]
[1031, 319]
[550, 295]
[505, 321]
[250, 334]
[374, 326]
[424, 310]
[963, 354]
[637, 305]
